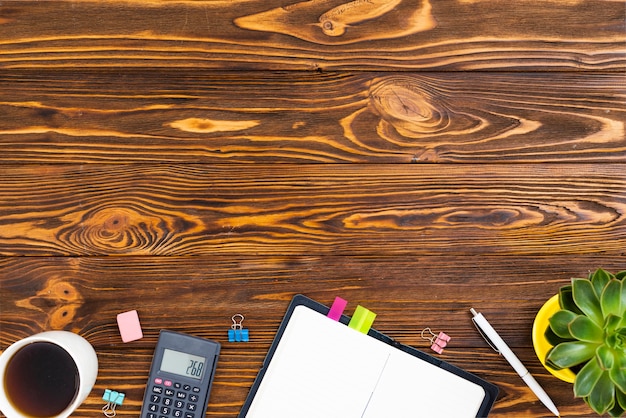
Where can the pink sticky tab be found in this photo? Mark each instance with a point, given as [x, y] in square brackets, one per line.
[337, 309]
[130, 328]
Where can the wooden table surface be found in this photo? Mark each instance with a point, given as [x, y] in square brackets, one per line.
[197, 159]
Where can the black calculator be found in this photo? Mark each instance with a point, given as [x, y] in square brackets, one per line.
[181, 375]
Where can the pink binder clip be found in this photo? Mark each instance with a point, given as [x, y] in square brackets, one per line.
[438, 341]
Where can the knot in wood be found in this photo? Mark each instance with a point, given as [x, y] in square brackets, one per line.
[123, 229]
[332, 27]
[407, 106]
[59, 299]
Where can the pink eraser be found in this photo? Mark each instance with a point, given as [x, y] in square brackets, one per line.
[130, 328]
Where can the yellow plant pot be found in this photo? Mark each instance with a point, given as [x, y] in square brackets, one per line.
[541, 345]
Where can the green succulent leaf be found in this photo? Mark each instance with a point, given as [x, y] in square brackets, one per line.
[611, 298]
[618, 374]
[621, 399]
[623, 299]
[554, 339]
[587, 300]
[571, 353]
[549, 362]
[584, 329]
[602, 396]
[617, 409]
[599, 279]
[566, 300]
[606, 357]
[559, 322]
[586, 379]
[616, 339]
[612, 323]
[620, 275]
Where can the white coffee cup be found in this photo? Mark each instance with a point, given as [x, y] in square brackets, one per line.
[81, 354]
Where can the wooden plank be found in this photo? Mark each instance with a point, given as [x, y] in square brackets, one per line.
[434, 291]
[312, 35]
[85, 294]
[214, 117]
[312, 209]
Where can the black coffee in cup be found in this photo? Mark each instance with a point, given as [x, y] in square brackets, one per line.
[41, 379]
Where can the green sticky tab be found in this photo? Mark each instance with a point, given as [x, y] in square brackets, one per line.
[362, 319]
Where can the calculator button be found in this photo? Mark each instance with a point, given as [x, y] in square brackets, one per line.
[168, 401]
[157, 389]
[189, 415]
[166, 410]
[191, 406]
[181, 395]
[187, 388]
[153, 408]
[177, 385]
[193, 398]
[179, 404]
[158, 381]
[155, 398]
[168, 383]
[196, 389]
[177, 413]
[151, 415]
[169, 392]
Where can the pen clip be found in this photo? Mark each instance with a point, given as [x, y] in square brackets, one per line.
[480, 331]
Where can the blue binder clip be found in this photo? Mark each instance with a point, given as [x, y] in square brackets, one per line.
[237, 333]
[112, 399]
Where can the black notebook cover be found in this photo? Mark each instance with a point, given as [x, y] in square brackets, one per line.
[320, 367]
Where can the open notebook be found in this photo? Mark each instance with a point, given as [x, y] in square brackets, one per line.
[318, 367]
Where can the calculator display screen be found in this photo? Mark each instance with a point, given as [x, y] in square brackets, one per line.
[183, 364]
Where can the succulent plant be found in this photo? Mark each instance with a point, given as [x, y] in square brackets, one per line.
[589, 337]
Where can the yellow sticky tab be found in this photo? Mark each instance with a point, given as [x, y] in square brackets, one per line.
[362, 319]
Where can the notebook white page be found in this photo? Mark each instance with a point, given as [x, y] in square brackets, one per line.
[322, 368]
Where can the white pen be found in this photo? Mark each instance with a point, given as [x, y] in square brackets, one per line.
[498, 344]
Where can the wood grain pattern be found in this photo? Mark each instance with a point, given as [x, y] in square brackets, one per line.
[193, 159]
[314, 118]
[433, 291]
[278, 34]
[345, 209]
